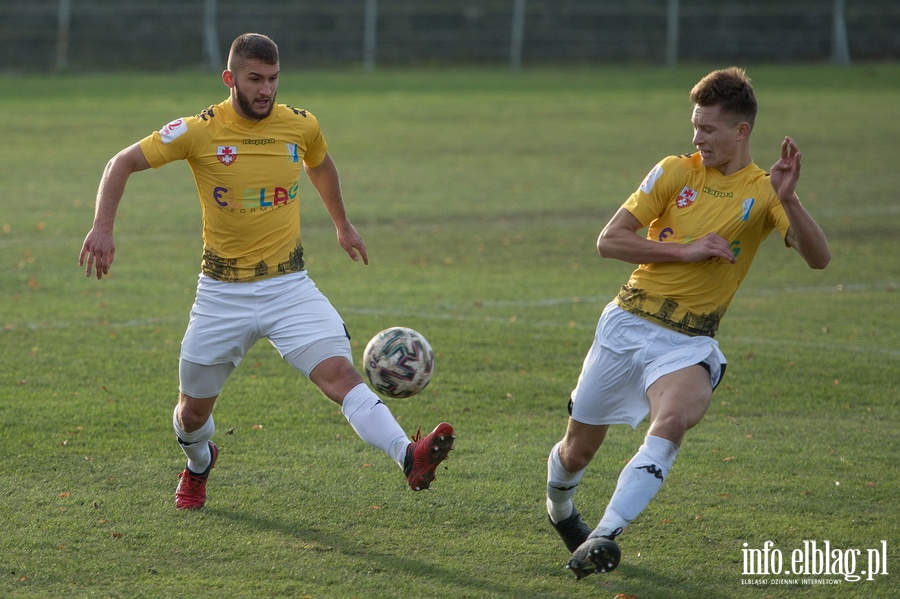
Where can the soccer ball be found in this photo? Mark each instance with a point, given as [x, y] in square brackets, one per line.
[398, 362]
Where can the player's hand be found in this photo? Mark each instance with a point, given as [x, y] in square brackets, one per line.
[786, 171]
[97, 253]
[710, 245]
[352, 243]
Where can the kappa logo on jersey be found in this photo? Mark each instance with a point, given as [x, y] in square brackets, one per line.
[173, 130]
[226, 154]
[685, 197]
[651, 178]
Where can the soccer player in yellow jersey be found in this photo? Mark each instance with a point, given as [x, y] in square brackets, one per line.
[247, 155]
[653, 353]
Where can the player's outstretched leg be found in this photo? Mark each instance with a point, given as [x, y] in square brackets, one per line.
[572, 530]
[597, 554]
[191, 491]
[425, 453]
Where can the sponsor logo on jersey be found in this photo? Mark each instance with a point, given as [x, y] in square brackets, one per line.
[258, 142]
[718, 194]
[226, 154]
[293, 152]
[651, 178]
[685, 197]
[173, 130]
[257, 199]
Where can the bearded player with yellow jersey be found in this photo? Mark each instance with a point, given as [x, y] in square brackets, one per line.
[654, 350]
[248, 155]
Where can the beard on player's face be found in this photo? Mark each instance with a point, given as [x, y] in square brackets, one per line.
[246, 104]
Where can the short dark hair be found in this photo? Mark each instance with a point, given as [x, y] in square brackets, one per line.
[729, 89]
[252, 46]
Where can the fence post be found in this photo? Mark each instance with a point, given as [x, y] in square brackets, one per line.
[370, 32]
[211, 36]
[840, 53]
[672, 32]
[63, 20]
[518, 35]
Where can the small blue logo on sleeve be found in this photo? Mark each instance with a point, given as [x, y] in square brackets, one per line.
[748, 206]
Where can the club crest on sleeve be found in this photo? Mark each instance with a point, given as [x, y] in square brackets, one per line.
[226, 154]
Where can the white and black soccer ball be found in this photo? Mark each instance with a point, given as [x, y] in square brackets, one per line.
[398, 362]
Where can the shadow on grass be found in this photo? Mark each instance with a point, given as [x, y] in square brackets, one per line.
[641, 582]
[467, 585]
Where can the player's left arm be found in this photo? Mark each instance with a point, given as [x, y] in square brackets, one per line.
[327, 182]
[804, 235]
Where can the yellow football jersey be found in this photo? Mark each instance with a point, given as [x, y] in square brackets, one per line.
[680, 201]
[248, 179]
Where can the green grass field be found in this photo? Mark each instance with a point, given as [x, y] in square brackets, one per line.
[479, 194]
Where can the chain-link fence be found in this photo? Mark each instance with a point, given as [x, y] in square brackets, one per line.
[166, 34]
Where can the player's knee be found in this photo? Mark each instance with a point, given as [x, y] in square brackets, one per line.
[673, 426]
[335, 377]
[193, 413]
[575, 456]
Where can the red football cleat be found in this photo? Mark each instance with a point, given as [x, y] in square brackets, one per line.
[191, 491]
[424, 454]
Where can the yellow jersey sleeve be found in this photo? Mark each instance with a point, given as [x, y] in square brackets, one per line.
[247, 175]
[681, 201]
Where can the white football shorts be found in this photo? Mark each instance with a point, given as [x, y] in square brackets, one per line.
[227, 319]
[628, 355]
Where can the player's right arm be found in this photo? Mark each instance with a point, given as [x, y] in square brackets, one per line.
[620, 240]
[99, 249]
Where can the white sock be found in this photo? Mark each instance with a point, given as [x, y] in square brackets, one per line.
[638, 483]
[374, 423]
[195, 444]
[561, 487]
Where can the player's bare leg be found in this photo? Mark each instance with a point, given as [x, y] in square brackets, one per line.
[678, 401]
